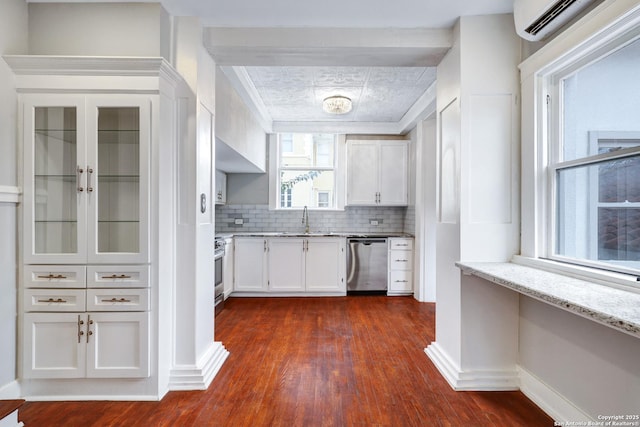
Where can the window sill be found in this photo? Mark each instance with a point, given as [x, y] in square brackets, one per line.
[616, 308]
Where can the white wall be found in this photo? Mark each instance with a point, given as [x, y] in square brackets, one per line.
[13, 40]
[593, 366]
[425, 187]
[103, 29]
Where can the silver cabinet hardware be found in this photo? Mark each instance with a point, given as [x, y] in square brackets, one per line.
[52, 276]
[402, 260]
[89, 331]
[116, 300]
[116, 276]
[80, 331]
[57, 301]
[89, 172]
[79, 172]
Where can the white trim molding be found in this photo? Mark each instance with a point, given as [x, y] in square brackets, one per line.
[477, 380]
[549, 400]
[9, 194]
[11, 390]
[200, 376]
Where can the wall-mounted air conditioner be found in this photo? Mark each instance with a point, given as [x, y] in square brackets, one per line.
[535, 19]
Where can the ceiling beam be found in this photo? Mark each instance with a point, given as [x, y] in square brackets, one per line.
[407, 47]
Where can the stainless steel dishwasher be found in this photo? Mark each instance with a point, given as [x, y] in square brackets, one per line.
[367, 265]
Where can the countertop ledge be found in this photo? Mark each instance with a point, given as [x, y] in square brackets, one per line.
[311, 234]
[612, 307]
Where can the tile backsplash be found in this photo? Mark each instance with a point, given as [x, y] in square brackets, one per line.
[360, 219]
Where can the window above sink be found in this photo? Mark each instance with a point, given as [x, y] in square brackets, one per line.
[305, 171]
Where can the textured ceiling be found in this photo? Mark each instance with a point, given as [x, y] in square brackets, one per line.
[379, 94]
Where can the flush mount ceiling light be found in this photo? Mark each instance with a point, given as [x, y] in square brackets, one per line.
[336, 104]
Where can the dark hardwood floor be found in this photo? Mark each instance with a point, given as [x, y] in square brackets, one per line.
[353, 361]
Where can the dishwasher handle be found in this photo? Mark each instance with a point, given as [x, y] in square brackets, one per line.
[368, 241]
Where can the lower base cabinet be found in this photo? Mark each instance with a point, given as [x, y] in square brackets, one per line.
[400, 266]
[86, 345]
[290, 265]
[326, 265]
[249, 259]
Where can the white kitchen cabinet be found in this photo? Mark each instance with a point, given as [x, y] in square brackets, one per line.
[250, 261]
[378, 173]
[90, 185]
[86, 179]
[118, 345]
[290, 265]
[325, 265]
[400, 266]
[86, 345]
[221, 188]
[286, 264]
[227, 266]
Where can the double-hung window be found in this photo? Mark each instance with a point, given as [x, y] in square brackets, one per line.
[594, 160]
[306, 170]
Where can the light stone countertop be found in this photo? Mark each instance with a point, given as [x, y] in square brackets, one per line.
[616, 308]
[311, 234]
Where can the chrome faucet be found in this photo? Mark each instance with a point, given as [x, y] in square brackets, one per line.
[305, 219]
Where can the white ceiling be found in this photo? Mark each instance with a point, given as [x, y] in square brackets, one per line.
[379, 94]
[285, 56]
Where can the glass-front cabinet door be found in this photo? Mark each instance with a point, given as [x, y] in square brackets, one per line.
[117, 173]
[54, 202]
[86, 179]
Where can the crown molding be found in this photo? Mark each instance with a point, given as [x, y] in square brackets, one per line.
[91, 66]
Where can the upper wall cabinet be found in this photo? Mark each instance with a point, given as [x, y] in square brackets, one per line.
[377, 173]
[86, 178]
[221, 188]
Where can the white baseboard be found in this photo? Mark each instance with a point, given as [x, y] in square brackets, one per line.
[100, 397]
[200, 376]
[11, 391]
[550, 401]
[478, 380]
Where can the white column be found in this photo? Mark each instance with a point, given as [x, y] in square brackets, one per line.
[477, 215]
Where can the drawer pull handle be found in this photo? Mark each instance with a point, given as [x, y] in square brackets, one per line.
[402, 244]
[402, 260]
[401, 281]
[52, 276]
[115, 276]
[116, 300]
[57, 301]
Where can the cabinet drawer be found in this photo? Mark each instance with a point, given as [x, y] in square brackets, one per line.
[400, 260]
[54, 300]
[400, 281]
[54, 276]
[130, 276]
[401, 244]
[117, 299]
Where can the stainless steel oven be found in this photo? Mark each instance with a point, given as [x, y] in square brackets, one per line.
[219, 275]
